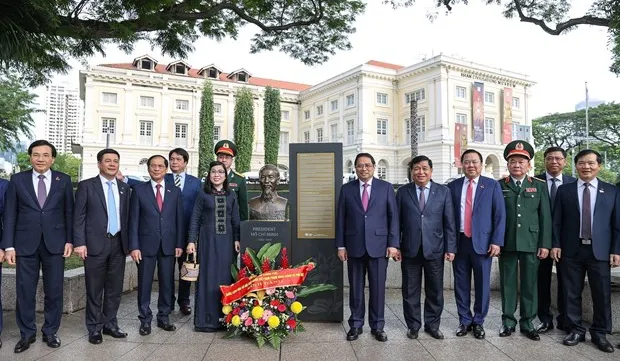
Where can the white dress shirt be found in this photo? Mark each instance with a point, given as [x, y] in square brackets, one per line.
[117, 198]
[47, 180]
[162, 190]
[515, 180]
[464, 198]
[558, 181]
[593, 193]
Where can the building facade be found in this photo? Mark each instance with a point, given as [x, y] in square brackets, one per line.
[64, 116]
[143, 108]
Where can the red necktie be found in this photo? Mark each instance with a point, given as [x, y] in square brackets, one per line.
[365, 197]
[468, 208]
[160, 201]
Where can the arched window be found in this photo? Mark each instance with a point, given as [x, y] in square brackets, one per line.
[382, 170]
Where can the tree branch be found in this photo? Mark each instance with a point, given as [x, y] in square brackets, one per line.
[560, 27]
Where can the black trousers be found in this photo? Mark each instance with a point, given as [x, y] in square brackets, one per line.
[545, 271]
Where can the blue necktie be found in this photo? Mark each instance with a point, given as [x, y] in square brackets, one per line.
[112, 220]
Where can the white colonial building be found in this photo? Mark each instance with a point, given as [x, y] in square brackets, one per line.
[143, 108]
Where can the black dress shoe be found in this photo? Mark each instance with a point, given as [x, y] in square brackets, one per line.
[479, 332]
[380, 335]
[166, 326]
[145, 330]
[545, 326]
[462, 330]
[506, 331]
[354, 333]
[573, 338]
[52, 341]
[186, 310]
[24, 343]
[412, 334]
[603, 344]
[95, 338]
[114, 332]
[531, 334]
[436, 334]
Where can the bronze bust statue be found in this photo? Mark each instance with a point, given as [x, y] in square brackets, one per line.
[268, 206]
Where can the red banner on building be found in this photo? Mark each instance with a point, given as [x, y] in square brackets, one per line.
[478, 112]
[507, 117]
[271, 279]
[460, 142]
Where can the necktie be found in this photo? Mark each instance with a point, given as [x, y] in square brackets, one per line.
[177, 180]
[365, 197]
[422, 199]
[518, 183]
[554, 191]
[112, 217]
[160, 201]
[586, 214]
[41, 191]
[469, 202]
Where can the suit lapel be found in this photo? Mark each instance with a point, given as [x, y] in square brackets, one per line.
[30, 188]
[600, 193]
[358, 194]
[167, 197]
[153, 196]
[413, 193]
[54, 186]
[480, 188]
[371, 199]
[123, 193]
[99, 191]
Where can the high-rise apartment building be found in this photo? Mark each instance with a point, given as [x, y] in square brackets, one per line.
[64, 116]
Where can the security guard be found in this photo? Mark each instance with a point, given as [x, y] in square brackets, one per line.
[527, 239]
[225, 150]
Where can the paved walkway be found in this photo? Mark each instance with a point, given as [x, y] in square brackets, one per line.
[321, 341]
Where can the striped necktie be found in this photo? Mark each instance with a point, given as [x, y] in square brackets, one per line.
[177, 180]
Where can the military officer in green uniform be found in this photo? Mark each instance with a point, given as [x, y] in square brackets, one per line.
[225, 150]
[527, 239]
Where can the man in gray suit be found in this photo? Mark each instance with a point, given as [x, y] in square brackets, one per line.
[428, 236]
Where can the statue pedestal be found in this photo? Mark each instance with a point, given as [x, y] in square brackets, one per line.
[255, 234]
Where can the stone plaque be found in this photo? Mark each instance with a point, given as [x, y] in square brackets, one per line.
[316, 209]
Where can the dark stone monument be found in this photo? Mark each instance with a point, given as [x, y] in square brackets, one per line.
[255, 234]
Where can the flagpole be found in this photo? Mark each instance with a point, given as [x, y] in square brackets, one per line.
[587, 123]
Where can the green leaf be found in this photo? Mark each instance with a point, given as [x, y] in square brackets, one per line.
[260, 340]
[234, 270]
[308, 290]
[255, 260]
[262, 250]
[272, 252]
[275, 341]
[231, 333]
[300, 328]
[309, 260]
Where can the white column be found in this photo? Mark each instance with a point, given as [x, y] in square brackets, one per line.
[164, 125]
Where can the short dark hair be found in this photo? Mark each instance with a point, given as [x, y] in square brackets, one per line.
[106, 151]
[41, 142]
[471, 151]
[367, 155]
[554, 149]
[180, 151]
[148, 162]
[585, 152]
[208, 187]
[420, 159]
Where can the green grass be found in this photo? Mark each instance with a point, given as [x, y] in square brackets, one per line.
[70, 263]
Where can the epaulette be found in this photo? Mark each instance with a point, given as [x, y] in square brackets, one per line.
[239, 174]
[538, 179]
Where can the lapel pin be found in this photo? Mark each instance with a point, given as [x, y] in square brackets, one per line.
[482, 186]
[57, 178]
[601, 191]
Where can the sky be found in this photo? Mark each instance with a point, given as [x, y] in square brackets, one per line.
[560, 65]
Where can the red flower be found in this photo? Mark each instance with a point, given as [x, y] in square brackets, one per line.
[235, 311]
[275, 303]
[247, 261]
[228, 318]
[282, 307]
[284, 260]
[242, 305]
[255, 303]
[266, 265]
[291, 323]
[261, 321]
[242, 273]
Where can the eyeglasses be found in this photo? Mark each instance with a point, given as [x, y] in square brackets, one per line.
[217, 171]
[471, 162]
[365, 165]
[557, 159]
[583, 164]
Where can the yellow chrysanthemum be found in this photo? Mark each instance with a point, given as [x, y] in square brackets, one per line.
[296, 307]
[236, 320]
[226, 309]
[273, 321]
[257, 312]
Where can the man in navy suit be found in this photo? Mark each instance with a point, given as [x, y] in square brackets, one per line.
[480, 214]
[367, 235]
[4, 184]
[38, 234]
[101, 237]
[156, 231]
[555, 161]
[428, 235]
[189, 186]
[586, 240]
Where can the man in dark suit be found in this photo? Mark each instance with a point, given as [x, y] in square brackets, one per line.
[367, 236]
[189, 186]
[4, 185]
[225, 150]
[555, 161]
[156, 231]
[101, 237]
[480, 214]
[38, 234]
[587, 244]
[427, 236]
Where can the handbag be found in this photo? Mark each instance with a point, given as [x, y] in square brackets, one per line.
[190, 269]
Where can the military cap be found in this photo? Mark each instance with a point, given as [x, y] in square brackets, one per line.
[519, 147]
[226, 147]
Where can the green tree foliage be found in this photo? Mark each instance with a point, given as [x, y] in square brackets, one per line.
[272, 118]
[244, 129]
[38, 36]
[16, 109]
[207, 123]
[69, 164]
[23, 161]
[552, 16]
